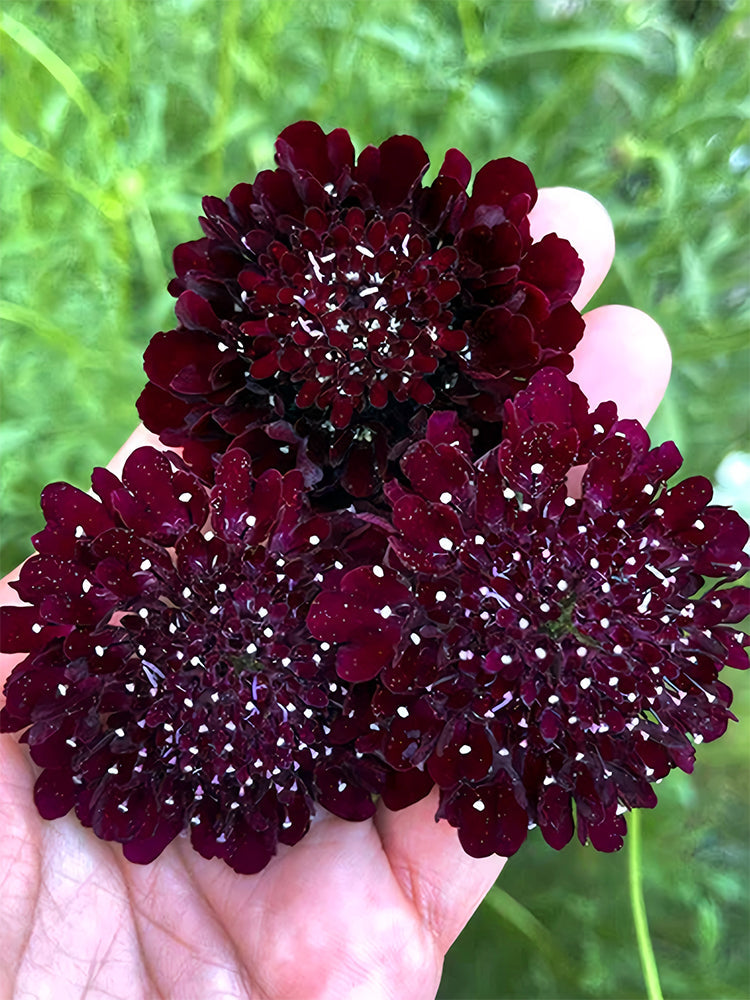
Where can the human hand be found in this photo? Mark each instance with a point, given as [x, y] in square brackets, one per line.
[355, 909]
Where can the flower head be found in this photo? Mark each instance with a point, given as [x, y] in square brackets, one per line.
[171, 683]
[534, 649]
[342, 296]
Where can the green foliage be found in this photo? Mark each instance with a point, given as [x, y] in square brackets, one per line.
[119, 116]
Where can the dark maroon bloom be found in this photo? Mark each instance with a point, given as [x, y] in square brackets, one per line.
[343, 297]
[535, 650]
[171, 683]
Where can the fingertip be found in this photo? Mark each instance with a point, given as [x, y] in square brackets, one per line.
[624, 356]
[582, 220]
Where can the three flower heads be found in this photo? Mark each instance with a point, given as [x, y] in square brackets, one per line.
[363, 574]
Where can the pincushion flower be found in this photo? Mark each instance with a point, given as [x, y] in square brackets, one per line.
[171, 684]
[341, 297]
[536, 650]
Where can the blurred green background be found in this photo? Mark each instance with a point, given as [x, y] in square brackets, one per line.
[118, 116]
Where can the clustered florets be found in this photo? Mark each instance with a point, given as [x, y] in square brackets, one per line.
[368, 574]
[534, 649]
[171, 680]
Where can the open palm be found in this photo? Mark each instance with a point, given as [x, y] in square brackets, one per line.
[355, 909]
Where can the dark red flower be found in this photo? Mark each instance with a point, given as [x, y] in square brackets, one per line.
[343, 296]
[171, 683]
[535, 650]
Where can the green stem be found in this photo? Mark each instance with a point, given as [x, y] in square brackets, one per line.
[638, 906]
[518, 916]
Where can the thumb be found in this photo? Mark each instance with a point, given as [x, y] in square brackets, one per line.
[444, 883]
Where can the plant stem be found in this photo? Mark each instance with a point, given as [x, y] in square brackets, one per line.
[638, 906]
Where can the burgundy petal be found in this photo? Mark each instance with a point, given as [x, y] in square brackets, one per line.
[456, 165]
[157, 501]
[54, 793]
[553, 266]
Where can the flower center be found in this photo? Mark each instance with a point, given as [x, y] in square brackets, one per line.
[563, 625]
[354, 309]
[245, 664]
